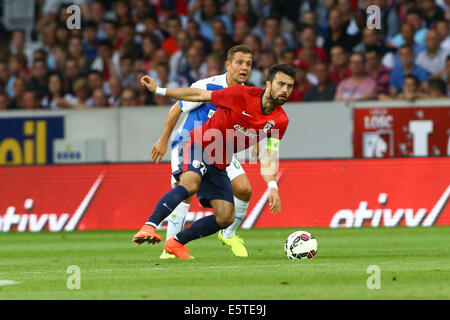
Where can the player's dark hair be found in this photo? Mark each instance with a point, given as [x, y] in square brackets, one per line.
[235, 49]
[284, 68]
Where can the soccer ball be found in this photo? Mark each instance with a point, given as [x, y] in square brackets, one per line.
[300, 245]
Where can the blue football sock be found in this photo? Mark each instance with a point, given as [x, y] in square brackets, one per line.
[167, 204]
[201, 228]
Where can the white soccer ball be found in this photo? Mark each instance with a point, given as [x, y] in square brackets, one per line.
[300, 245]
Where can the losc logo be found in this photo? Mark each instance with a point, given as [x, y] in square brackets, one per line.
[28, 141]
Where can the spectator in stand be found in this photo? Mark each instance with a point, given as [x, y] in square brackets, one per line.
[359, 86]
[95, 80]
[301, 82]
[432, 12]
[307, 37]
[162, 80]
[90, 39]
[82, 97]
[337, 34]
[197, 68]
[253, 42]
[214, 63]
[349, 17]
[445, 5]
[221, 44]
[97, 14]
[144, 97]
[407, 66]
[218, 28]
[127, 72]
[99, 98]
[325, 88]
[208, 12]
[377, 70]
[111, 29]
[128, 33]
[18, 69]
[178, 61]
[4, 101]
[62, 35]
[142, 9]
[129, 98]
[104, 63]
[71, 72]
[75, 51]
[122, 12]
[266, 60]
[241, 30]
[271, 30]
[173, 28]
[288, 56]
[52, 100]
[152, 27]
[373, 37]
[38, 77]
[339, 64]
[407, 33]
[437, 88]
[410, 90]
[30, 100]
[4, 74]
[414, 17]
[443, 29]
[445, 74]
[115, 91]
[433, 58]
[242, 10]
[17, 44]
[19, 88]
[150, 45]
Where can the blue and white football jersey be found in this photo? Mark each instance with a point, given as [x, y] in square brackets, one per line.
[198, 112]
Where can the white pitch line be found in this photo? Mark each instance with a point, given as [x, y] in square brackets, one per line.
[8, 282]
[153, 269]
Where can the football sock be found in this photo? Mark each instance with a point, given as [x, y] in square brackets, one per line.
[167, 204]
[200, 228]
[240, 209]
[176, 220]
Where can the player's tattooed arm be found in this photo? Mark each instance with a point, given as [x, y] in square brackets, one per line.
[185, 94]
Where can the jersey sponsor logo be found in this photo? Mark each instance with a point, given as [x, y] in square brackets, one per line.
[269, 125]
[248, 132]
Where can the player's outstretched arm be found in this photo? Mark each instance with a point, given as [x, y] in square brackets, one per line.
[185, 94]
[160, 147]
[269, 168]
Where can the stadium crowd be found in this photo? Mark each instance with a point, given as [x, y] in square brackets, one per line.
[336, 56]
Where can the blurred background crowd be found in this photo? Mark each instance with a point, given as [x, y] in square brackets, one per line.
[336, 56]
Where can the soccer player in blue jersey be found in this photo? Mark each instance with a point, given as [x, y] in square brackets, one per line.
[238, 65]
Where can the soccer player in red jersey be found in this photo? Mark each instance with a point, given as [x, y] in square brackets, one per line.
[245, 116]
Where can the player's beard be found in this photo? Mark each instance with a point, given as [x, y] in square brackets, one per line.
[276, 101]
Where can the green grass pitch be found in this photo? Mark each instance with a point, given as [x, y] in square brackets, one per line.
[414, 263]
